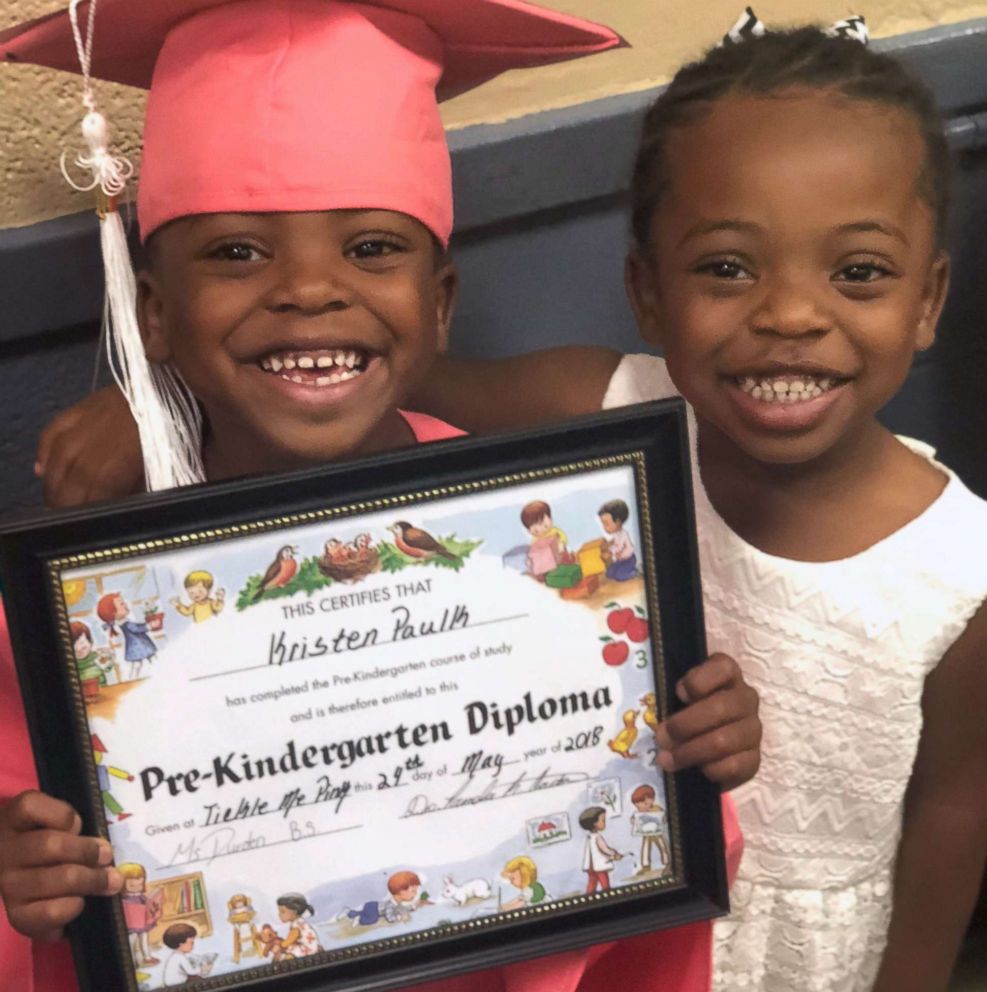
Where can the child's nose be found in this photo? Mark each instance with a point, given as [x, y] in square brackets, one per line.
[789, 306]
[311, 282]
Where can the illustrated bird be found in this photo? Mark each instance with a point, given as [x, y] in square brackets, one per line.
[417, 543]
[624, 741]
[279, 573]
[650, 715]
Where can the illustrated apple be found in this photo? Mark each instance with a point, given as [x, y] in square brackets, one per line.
[637, 630]
[616, 652]
[617, 620]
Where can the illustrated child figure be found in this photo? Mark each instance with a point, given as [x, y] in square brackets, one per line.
[522, 873]
[203, 606]
[598, 856]
[404, 888]
[619, 554]
[253, 287]
[648, 823]
[90, 661]
[141, 911]
[550, 545]
[241, 918]
[138, 646]
[301, 939]
[179, 967]
[103, 775]
[403, 899]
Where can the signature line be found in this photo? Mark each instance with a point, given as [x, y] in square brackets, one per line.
[263, 847]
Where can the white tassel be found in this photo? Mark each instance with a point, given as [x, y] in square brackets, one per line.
[167, 416]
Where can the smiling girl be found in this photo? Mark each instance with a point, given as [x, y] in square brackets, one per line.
[788, 205]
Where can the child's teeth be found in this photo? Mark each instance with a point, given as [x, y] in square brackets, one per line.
[345, 365]
[790, 389]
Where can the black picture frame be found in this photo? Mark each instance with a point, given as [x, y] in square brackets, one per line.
[653, 434]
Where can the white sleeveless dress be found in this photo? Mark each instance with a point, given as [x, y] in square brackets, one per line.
[839, 652]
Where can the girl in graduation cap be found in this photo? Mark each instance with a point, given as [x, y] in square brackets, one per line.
[295, 207]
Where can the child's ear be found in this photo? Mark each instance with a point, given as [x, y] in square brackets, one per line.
[933, 300]
[150, 319]
[641, 283]
[446, 294]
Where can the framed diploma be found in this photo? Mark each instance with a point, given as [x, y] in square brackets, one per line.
[379, 723]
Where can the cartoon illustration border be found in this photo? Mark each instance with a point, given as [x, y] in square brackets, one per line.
[568, 906]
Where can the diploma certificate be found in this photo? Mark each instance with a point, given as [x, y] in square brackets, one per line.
[325, 737]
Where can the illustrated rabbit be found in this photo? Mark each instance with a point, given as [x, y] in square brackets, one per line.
[477, 888]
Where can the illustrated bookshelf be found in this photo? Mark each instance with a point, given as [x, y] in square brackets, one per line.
[184, 902]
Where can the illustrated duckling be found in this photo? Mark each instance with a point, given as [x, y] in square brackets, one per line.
[624, 741]
[650, 715]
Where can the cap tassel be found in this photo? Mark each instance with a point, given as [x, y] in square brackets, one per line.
[167, 416]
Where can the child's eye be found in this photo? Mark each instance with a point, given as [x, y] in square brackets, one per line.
[236, 251]
[370, 248]
[862, 272]
[725, 268]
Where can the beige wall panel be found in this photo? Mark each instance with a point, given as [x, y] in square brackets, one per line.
[40, 111]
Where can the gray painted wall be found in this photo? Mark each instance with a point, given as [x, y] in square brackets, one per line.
[542, 234]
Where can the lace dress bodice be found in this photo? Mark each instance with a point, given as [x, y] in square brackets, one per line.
[838, 652]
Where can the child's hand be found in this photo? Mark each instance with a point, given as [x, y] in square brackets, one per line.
[75, 461]
[719, 730]
[46, 868]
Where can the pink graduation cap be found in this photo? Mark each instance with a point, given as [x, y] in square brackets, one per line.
[285, 105]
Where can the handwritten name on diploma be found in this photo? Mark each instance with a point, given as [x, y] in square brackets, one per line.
[405, 628]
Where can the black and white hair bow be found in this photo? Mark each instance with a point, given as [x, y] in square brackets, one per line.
[854, 28]
[749, 25]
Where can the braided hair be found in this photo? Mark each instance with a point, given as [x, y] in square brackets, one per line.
[769, 64]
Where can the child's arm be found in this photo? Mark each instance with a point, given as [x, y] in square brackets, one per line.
[47, 868]
[485, 395]
[719, 730]
[80, 466]
[944, 839]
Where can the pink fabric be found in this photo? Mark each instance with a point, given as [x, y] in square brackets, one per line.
[299, 105]
[677, 960]
[426, 428]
